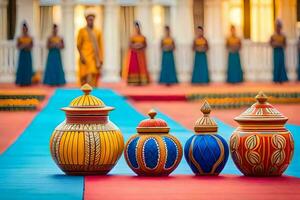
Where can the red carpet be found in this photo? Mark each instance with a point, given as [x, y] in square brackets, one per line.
[191, 187]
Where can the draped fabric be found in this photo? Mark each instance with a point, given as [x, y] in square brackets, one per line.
[54, 73]
[279, 70]
[234, 71]
[200, 70]
[127, 17]
[24, 69]
[168, 73]
[86, 43]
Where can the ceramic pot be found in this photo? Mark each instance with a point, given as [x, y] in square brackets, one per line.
[261, 145]
[206, 152]
[87, 142]
[153, 151]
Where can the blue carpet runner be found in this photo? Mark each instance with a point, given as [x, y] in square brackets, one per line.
[28, 172]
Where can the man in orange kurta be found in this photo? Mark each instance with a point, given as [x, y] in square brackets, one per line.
[90, 48]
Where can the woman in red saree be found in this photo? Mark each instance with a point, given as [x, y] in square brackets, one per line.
[135, 70]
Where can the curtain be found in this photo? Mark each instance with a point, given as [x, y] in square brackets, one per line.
[46, 21]
[127, 17]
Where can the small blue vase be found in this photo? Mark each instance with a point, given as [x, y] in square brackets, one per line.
[206, 152]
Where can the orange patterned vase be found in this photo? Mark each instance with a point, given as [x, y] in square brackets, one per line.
[87, 142]
[261, 145]
[153, 151]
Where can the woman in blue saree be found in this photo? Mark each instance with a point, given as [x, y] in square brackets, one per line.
[54, 73]
[168, 70]
[233, 45]
[278, 43]
[24, 69]
[200, 70]
[298, 70]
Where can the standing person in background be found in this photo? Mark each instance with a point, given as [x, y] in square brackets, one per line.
[24, 70]
[233, 45]
[135, 71]
[298, 70]
[54, 73]
[168, 70]
[278, 43]
[200, 47]
[90, 48]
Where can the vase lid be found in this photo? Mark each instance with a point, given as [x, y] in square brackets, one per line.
[261, 111]
[87, 102]
[153, 125]
[205, 124]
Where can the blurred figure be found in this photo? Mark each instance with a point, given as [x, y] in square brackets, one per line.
[200, 46]
[54, 73]
[233, 45]
[135, 70]
[168, 71]
[90, 48]
[24, 69]
[298, 70]
[278, 42]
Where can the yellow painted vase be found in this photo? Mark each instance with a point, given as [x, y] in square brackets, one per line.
[261, 145]
[87, 142]
[153, 151]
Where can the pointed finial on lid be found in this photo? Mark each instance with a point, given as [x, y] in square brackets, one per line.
[86, 88]
[152, 113]
[205, 124]
[261, 97]
[205, 108]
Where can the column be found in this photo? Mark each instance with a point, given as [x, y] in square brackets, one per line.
[144, 16]
[112, 58]
[3, 19]
[28, 10]
[214, 31]
[67, 29]
[182, 27]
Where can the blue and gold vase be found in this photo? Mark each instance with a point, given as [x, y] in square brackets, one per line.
[206, 152]
[153, 151]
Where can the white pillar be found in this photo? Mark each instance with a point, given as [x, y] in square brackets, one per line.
[144, 16]
[67, 29]
[28, 10]
[3, 19]
[214, 31]
[182, 28]
[111, 40]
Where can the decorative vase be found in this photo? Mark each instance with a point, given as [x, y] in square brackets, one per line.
[87, 142]
[261, 145]
[153, 151]
[206, 152]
